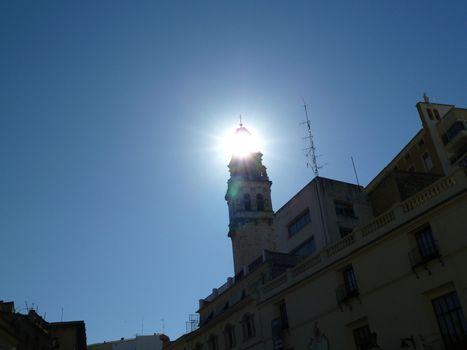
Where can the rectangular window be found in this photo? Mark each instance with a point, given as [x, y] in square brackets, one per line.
[350, 282]
[306, 248]
[344, 209]
[451, 321]
[363, 338]
[283, 315]
[437, 116]
[426, 244]
[299, 222]
[248, 326]
[427, 161]
[452, 132]
[213, 343]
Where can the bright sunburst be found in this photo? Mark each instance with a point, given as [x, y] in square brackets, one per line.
[240, 143]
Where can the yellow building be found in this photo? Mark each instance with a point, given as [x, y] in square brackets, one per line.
[385, 269]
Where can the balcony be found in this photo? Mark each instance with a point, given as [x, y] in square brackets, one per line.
[344, 293]
[420, 257]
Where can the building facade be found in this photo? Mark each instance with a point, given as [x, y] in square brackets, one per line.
[140, 342]
[380, 267]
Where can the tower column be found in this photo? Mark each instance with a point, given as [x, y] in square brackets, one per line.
[248, 198]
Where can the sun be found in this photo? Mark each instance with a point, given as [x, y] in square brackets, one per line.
[240, 143]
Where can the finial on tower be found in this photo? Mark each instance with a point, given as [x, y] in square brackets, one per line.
[426, 98]
[241, 124]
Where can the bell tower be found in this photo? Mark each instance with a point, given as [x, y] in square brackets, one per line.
[249, 200]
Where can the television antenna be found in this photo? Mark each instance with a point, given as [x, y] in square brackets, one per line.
[310, 151]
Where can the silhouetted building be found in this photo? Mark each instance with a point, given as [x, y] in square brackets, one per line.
[345, 267]
[31, 332]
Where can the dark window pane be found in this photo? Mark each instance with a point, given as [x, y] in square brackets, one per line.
[451, 321]
[299, 222]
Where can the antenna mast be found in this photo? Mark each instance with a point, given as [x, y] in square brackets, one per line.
[311, 150]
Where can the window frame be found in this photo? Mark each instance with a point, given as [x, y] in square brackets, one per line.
[451, 320]
[350, 281]
[248, 326]
[342, 209]
[363, 337]
[303, 245]
[246, 202]
[299, 222]
[230, 336]
[260, 202]
[213, 342]
[426, 243]
[424, 160]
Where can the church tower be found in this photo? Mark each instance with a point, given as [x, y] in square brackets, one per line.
[249, 200]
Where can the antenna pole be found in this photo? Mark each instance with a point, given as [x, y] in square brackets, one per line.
[61, 317]
[355, 171]
[311, 150]
[311, 154]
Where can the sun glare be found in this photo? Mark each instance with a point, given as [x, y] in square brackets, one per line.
[240, 143]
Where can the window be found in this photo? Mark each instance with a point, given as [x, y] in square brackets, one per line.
[213, 344]
[350, 282]
[248, 326]
[344, 231]
[349, 288]
[430, 113]
[451, 321]
[306, 248]
[259, 202]
[199, 346]
[229, 336]
[411, 169]
[247, 202]
[426, 244]
[344, 208]
[452, 132]
[299, 222]
[427, 161]
[407, 156]
[283, 315]
[421, 143]
[364, 338]
[437, 116]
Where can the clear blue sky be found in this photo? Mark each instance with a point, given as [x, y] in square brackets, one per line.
[111, 195]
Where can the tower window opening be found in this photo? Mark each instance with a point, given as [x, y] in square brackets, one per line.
[247, 202]
[259, 202]
[430, 113]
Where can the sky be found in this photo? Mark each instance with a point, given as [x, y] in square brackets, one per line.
[112, 188]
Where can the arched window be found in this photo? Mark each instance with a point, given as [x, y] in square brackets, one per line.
[229, 335]
[247, 202]
[199, 346]
[259, 202]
